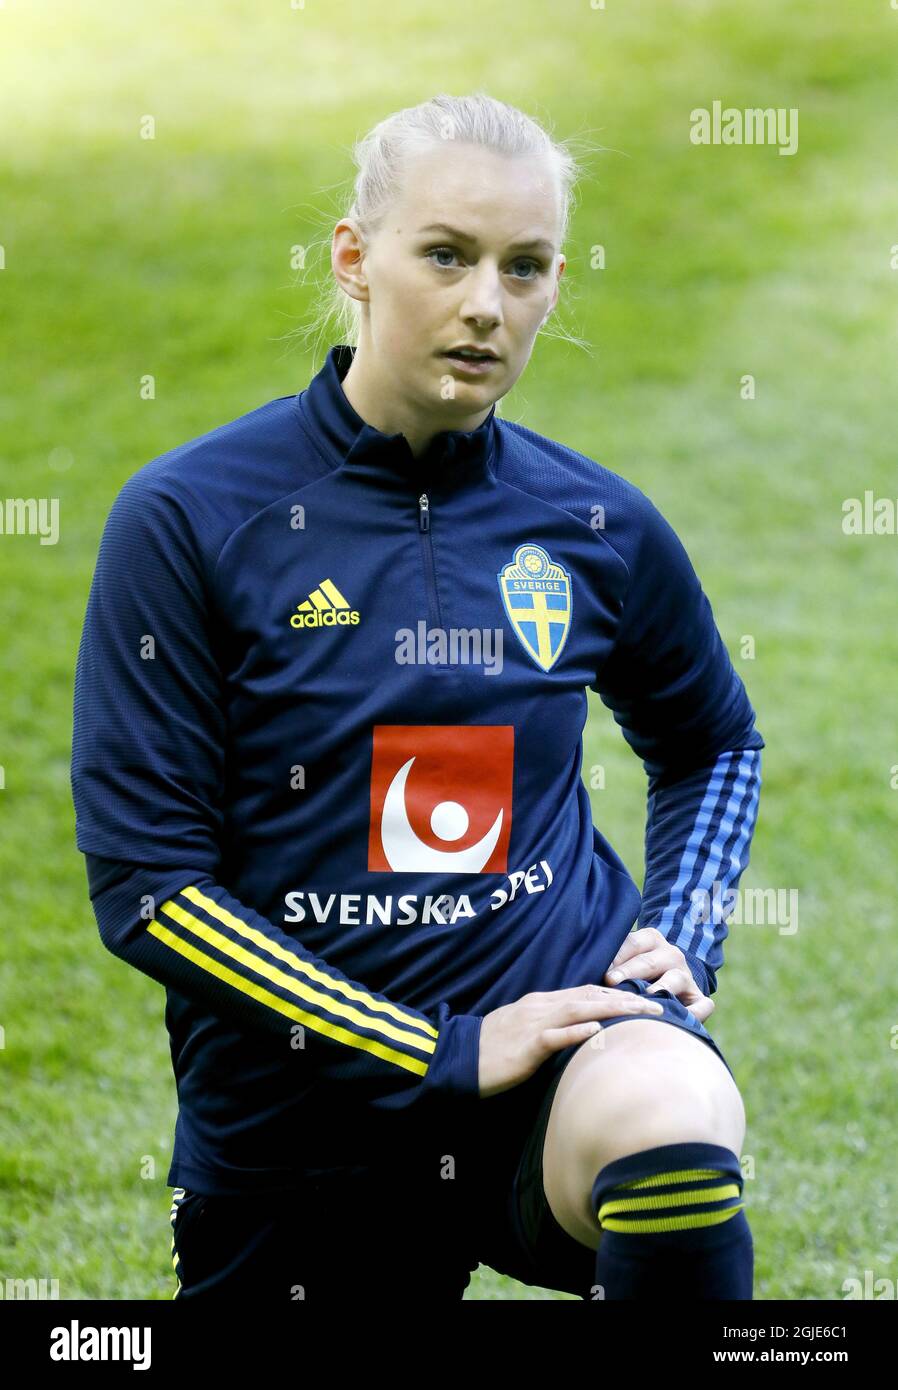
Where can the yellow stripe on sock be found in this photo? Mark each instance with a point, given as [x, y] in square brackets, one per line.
[282, 1006]
[668, 1199]
[679, 1175]
[274, 948]
[672, 1223]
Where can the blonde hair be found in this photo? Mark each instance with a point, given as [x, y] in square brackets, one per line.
[379, 157]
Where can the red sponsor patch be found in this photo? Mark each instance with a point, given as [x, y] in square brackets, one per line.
[441, 798]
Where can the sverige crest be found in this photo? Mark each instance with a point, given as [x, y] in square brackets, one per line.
[537, 596]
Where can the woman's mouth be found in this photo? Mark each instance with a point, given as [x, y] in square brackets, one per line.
[472, 364]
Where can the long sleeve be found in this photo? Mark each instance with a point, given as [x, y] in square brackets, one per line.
[684, 711]
[187, 931]
[148, 782]
[697, 841]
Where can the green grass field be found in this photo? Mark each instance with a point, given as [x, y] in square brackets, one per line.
[171, 257]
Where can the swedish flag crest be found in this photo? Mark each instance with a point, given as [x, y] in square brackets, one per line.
[537, 597]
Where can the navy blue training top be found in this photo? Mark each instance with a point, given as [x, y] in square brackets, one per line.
[326, 761]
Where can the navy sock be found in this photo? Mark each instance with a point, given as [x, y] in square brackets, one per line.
[673, 1225]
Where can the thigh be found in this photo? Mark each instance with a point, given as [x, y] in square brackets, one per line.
[646, 1086]
[521, 1235]
[675, 1012]
[622, 1089]
[361, 1235]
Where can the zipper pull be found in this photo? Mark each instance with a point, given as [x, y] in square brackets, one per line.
[424, 512]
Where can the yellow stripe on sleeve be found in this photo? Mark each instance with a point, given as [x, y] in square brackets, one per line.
[289, 957]
[283, 1006]
[294, 986]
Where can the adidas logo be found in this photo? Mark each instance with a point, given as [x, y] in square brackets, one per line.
[325, 607]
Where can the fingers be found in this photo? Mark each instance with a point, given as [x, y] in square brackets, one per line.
[555, 1039]
[645, 966]
[548, 1002]
[679, 981]
[648, 963]
[611, 1003]
[575, 992]
[683, 987]
[594, 1002]
[702, 1008]
[638, 942]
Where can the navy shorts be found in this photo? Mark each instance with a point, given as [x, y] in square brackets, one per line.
[413, 1227]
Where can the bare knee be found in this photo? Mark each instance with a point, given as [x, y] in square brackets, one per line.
[648, 1085]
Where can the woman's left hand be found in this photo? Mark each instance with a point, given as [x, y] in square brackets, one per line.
[647, 955]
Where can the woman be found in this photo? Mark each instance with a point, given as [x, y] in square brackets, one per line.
[326, 769]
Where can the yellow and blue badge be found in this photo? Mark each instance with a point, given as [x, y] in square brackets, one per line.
[537, 597]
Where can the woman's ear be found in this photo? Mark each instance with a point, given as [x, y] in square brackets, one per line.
[557, 289]
[347, 251]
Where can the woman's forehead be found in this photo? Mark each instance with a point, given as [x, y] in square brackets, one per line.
[461, 186]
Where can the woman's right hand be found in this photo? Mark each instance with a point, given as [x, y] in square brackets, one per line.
[516, 1038]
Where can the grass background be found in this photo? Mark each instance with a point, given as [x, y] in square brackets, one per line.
[171, 257]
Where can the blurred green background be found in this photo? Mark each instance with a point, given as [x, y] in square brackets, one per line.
[126, 256]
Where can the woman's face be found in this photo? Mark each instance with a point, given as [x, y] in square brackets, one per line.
[490, 281]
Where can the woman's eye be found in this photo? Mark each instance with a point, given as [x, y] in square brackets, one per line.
[448, 251]
[441, 251]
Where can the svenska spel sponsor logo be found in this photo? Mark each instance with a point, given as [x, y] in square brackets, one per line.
[441, 798]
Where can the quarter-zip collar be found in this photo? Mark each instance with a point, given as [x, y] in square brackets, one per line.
[350, 443]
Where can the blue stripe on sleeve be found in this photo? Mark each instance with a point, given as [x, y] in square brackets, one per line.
[737, 818]
[703, 821]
